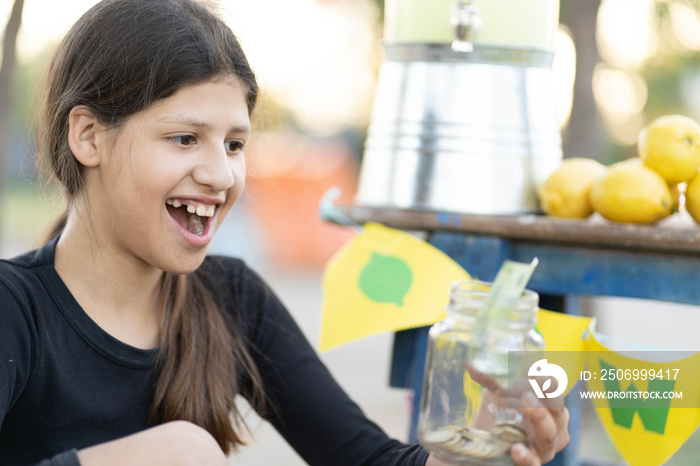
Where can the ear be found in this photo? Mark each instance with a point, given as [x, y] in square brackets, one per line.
[83, 128]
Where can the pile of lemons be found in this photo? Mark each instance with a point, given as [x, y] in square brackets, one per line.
[643, 189]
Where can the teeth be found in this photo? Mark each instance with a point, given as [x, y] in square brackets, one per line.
[201, 210]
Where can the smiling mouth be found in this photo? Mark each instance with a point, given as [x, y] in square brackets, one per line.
[193, 217]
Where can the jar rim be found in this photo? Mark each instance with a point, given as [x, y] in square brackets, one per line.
[466, 291]
[479, 287]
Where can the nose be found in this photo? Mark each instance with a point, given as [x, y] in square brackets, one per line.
[214, 168]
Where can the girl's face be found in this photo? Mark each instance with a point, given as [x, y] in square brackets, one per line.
[170, 175]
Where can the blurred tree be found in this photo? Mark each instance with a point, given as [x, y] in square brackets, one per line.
[672, 63]
[582, 136]
[9, 61]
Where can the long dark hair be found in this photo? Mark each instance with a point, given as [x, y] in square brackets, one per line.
[118, 59]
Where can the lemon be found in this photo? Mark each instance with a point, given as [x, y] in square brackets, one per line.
[692, 198]
[632, 192]
[670, 145]
[566, 192]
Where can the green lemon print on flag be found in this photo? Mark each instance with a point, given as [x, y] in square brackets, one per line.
[386, 279]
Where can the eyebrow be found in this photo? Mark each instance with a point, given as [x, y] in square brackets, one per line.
[200, 124]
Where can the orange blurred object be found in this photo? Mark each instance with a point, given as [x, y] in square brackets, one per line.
[288, 174]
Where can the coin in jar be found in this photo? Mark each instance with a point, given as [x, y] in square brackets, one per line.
[509, 432]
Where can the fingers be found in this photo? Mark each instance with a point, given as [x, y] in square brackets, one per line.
[522, 456]
[486, 381]
[551, 435]
[546, 419]
[549, 425]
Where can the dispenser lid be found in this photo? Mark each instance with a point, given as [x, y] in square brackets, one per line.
[528, 24]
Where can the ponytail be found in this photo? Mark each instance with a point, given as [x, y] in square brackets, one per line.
[200, 352]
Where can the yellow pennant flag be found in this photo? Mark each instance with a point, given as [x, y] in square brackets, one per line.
[562, 332]
[646, 432]
[565, 339]
[384, 280]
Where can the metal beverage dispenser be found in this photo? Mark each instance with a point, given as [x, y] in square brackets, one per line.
[464, 116]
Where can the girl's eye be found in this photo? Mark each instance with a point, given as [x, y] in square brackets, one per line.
[184, 139]
[234, 146]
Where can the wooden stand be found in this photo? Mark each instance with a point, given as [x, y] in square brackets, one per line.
[576, 257]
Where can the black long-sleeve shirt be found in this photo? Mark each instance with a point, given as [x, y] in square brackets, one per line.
[66, 384]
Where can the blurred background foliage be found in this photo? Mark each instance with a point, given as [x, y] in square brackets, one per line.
[619, 64]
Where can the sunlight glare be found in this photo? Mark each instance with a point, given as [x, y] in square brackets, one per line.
[318, 60]
[624, 32]
[45, 22]
[564, 70]
[620, 96]
[686, 24]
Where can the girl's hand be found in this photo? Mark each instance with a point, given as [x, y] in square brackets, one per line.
[545, 420]
[548, 420]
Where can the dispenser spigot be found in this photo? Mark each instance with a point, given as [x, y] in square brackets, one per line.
[466, 22]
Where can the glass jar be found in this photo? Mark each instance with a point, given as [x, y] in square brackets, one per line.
[468, 413]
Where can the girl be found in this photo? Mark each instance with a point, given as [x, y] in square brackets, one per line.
[120, 341]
